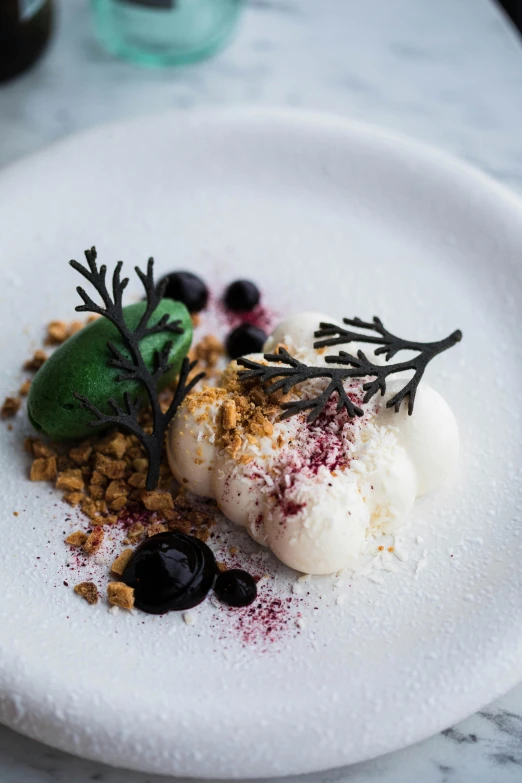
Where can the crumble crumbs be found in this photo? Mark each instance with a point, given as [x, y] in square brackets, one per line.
[10, 407]
[119, 594]
[57, 333]
[77, 539]
[87, 590]
[156, 528]
[157, 500]
[70, 480]
[23, 391]
[118, 567]
[43, 469]
[34, 364]
[94, 541]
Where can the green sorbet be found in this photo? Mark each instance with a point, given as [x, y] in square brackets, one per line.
[81, 365]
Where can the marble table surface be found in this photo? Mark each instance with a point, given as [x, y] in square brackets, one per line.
[447, 72]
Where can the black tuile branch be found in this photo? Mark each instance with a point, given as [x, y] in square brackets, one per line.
[133, 367]
[359, 366]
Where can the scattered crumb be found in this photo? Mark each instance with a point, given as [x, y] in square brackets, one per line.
[81, 454]
[189, 618]
[87, 590]
[10, 407]
[43, 469]
[23, 391]
[156, 528]
[118, 567]
[36, 362]
[157, 500]
[209, 350]
[57, 332]
[70, 480]
[228, 415]
[77, 539]
[94, 541]
[74, 327]
[119, 594]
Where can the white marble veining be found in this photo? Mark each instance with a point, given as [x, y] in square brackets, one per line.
[447, 72]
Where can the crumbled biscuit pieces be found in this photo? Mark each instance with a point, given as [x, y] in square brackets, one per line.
[112, 468]
[135, 532]
[157, 500]
[116, 489]
[228, 415]
[43, 469]
[57, 332]
[94, 509]
[77, 539]
[186, 517]
[71, 480]
[73, 498]
[10, 407]
[74, 326]
[245, 414]
[87, 590]
[118, 567]
[140, 465]
[41, 449]
[119, 594]
[34, 364]
[81, 454]
[23, 391]
[94, 541]
[113, 445]
[156, 528]
[209, 350]
[137, 480]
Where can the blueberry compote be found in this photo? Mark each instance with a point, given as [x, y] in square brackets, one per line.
[170, 571]
[236, 587]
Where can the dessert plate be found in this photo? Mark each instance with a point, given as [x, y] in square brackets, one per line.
[329, 216]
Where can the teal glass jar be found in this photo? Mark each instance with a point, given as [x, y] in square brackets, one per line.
[164, 32]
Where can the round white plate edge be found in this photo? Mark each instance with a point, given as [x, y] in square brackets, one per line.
[430, 157]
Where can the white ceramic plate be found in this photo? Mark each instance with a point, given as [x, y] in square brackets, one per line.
[331, 216]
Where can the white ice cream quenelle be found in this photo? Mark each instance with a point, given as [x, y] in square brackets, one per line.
[314, 492]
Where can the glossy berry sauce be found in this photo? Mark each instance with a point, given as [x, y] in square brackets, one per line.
[170, 571]
[236, 588]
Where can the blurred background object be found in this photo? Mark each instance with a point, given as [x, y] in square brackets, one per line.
[164, 32]
[25, 29]
[514, 9]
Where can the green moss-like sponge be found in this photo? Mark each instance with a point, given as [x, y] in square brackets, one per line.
[82, 365]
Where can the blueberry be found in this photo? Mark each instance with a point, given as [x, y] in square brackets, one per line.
[170, 571]
[242, 296]
[236, 587]
[187, 288]
[244, 339]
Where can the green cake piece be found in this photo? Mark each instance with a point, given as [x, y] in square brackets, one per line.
[81, 365]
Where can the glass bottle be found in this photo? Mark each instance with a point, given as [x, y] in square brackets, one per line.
[25, 29]
[164, 32]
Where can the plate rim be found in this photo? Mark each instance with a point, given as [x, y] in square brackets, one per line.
[234, 116]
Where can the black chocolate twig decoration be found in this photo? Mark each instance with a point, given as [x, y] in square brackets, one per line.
[133, 368]
[353, 367]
